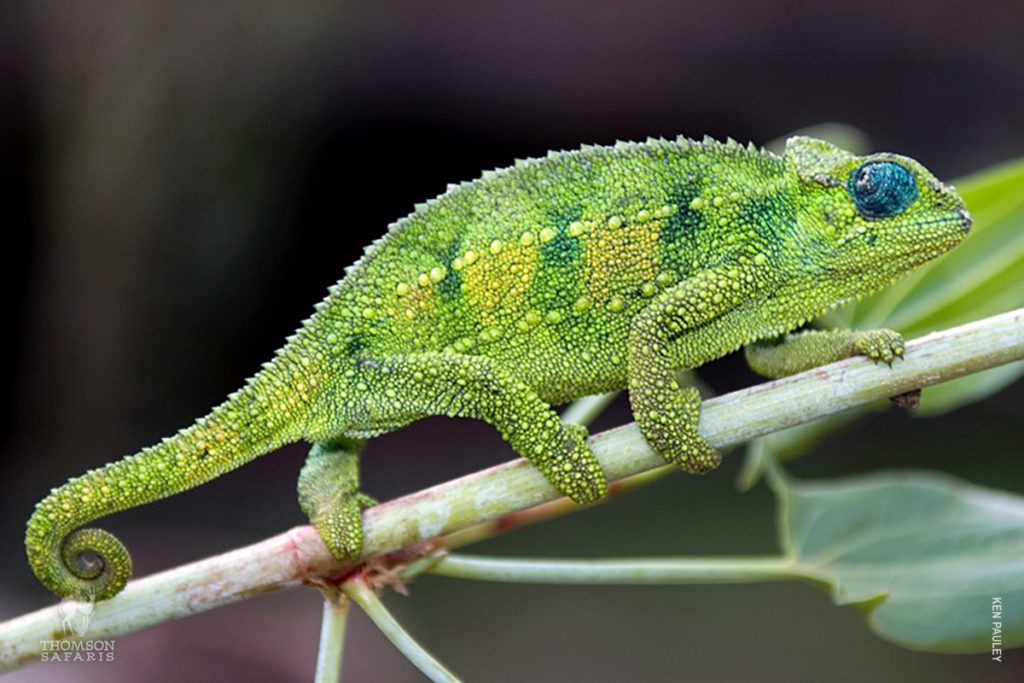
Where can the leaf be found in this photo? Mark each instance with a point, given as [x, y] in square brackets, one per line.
[923, 554]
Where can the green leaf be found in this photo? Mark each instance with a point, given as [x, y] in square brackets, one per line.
[923, 554]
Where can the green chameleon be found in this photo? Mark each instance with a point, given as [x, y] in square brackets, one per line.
[578, 273]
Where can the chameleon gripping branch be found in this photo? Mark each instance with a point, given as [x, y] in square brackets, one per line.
[298, 556]
[574, 274]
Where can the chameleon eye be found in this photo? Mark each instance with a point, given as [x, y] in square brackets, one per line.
[882, 189]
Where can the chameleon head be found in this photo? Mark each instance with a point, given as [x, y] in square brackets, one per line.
[871, 219]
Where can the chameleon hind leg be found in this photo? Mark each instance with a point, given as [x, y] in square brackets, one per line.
[395, 390]
[329, 495]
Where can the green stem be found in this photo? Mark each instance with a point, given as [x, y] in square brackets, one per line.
[332, 637]
[632, 571]
[584, 410]
[363, 595]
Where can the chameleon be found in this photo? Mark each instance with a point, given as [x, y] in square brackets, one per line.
[584, 271]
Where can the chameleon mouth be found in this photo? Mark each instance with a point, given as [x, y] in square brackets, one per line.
[966, 220]
[962, 217]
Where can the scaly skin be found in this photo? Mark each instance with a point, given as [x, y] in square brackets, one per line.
[556, 278]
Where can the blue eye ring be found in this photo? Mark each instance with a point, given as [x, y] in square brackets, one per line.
[882, 189]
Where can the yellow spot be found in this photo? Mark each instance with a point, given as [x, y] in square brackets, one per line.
[526, 239]
[500, 281]
[547, 234]
[416, 300]
[625, 258]
[469, 257]
[697, 204]
[437, 274]
[457, 264]
[614, 222]
[718, 201]
[575, 229]
[643, 216]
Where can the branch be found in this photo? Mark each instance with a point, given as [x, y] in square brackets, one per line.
[298, 556]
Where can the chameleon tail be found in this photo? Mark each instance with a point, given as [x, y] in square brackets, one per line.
[270, 411]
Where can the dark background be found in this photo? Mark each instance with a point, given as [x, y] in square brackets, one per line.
[183, 180]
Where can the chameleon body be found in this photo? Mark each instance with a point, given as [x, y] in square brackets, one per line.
[581, 272]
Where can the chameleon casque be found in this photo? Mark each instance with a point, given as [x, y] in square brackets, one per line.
[578, 273]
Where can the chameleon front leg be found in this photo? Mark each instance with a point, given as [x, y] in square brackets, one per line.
[329, 495]
[662, 339]
[398, 389]
[793, 353]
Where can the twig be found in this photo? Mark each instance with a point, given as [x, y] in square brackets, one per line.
[363, 595]
[629, 571]
[332, 636]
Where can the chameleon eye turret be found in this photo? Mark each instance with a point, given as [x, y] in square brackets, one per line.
[574, 274]
[882, 189]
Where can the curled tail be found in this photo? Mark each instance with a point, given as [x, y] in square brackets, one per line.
[270, 411]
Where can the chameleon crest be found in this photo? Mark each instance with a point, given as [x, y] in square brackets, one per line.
[581, 272]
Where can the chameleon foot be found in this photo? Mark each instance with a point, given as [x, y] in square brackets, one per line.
[340, 525]
[671, 431]
[879, 345]
[329, 495]
[574, 470]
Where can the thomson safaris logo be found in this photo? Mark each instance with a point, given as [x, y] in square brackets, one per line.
[75, 618]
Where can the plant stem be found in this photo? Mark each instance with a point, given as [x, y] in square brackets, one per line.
[584, 410]
[632, 571]
[332, 636]
[363, 595]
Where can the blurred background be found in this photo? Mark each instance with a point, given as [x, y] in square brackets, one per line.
[184, 179]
